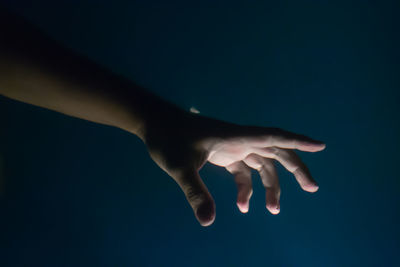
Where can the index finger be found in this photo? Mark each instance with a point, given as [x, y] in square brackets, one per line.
[276, 137]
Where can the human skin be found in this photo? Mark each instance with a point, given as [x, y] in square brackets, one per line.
[38, 70]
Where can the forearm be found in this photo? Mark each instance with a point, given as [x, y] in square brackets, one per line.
[39, 71]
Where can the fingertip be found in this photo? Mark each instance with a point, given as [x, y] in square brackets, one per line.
[206, 214]
[322, 146]
[243, 207]
[312, 147]
[312, 188]
[206, 223]
[273, 209]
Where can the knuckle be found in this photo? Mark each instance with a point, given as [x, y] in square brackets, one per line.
[275, 152]
[300, 169]
[193, 195]
[296, 169]
[237, 168]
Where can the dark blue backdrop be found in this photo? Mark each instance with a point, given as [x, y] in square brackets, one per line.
[81, 194]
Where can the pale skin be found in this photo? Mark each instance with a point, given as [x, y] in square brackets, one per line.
[37, 70]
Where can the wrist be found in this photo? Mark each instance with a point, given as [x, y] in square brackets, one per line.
[150, 114]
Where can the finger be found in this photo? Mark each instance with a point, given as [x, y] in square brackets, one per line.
[198, 196]
[292, 162]
[242, 174]
[269, 178]
[268, 137]
[295, 141]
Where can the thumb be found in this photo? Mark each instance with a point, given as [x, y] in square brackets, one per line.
[198, 196]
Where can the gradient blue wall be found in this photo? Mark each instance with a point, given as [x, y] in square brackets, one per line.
[81, 194]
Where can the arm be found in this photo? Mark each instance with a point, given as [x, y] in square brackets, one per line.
[37, 70]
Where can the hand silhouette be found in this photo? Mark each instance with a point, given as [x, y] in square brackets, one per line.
[181, 144]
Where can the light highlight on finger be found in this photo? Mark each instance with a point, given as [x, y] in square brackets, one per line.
[310, 188]
[310, 147]
[274, 209]
[243, 206]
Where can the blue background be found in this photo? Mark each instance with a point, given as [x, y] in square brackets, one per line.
[81, 194]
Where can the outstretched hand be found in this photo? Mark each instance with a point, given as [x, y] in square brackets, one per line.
[38, 70]
[181, 144]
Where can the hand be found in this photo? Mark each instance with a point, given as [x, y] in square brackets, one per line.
[47, 74]
[183, 143]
